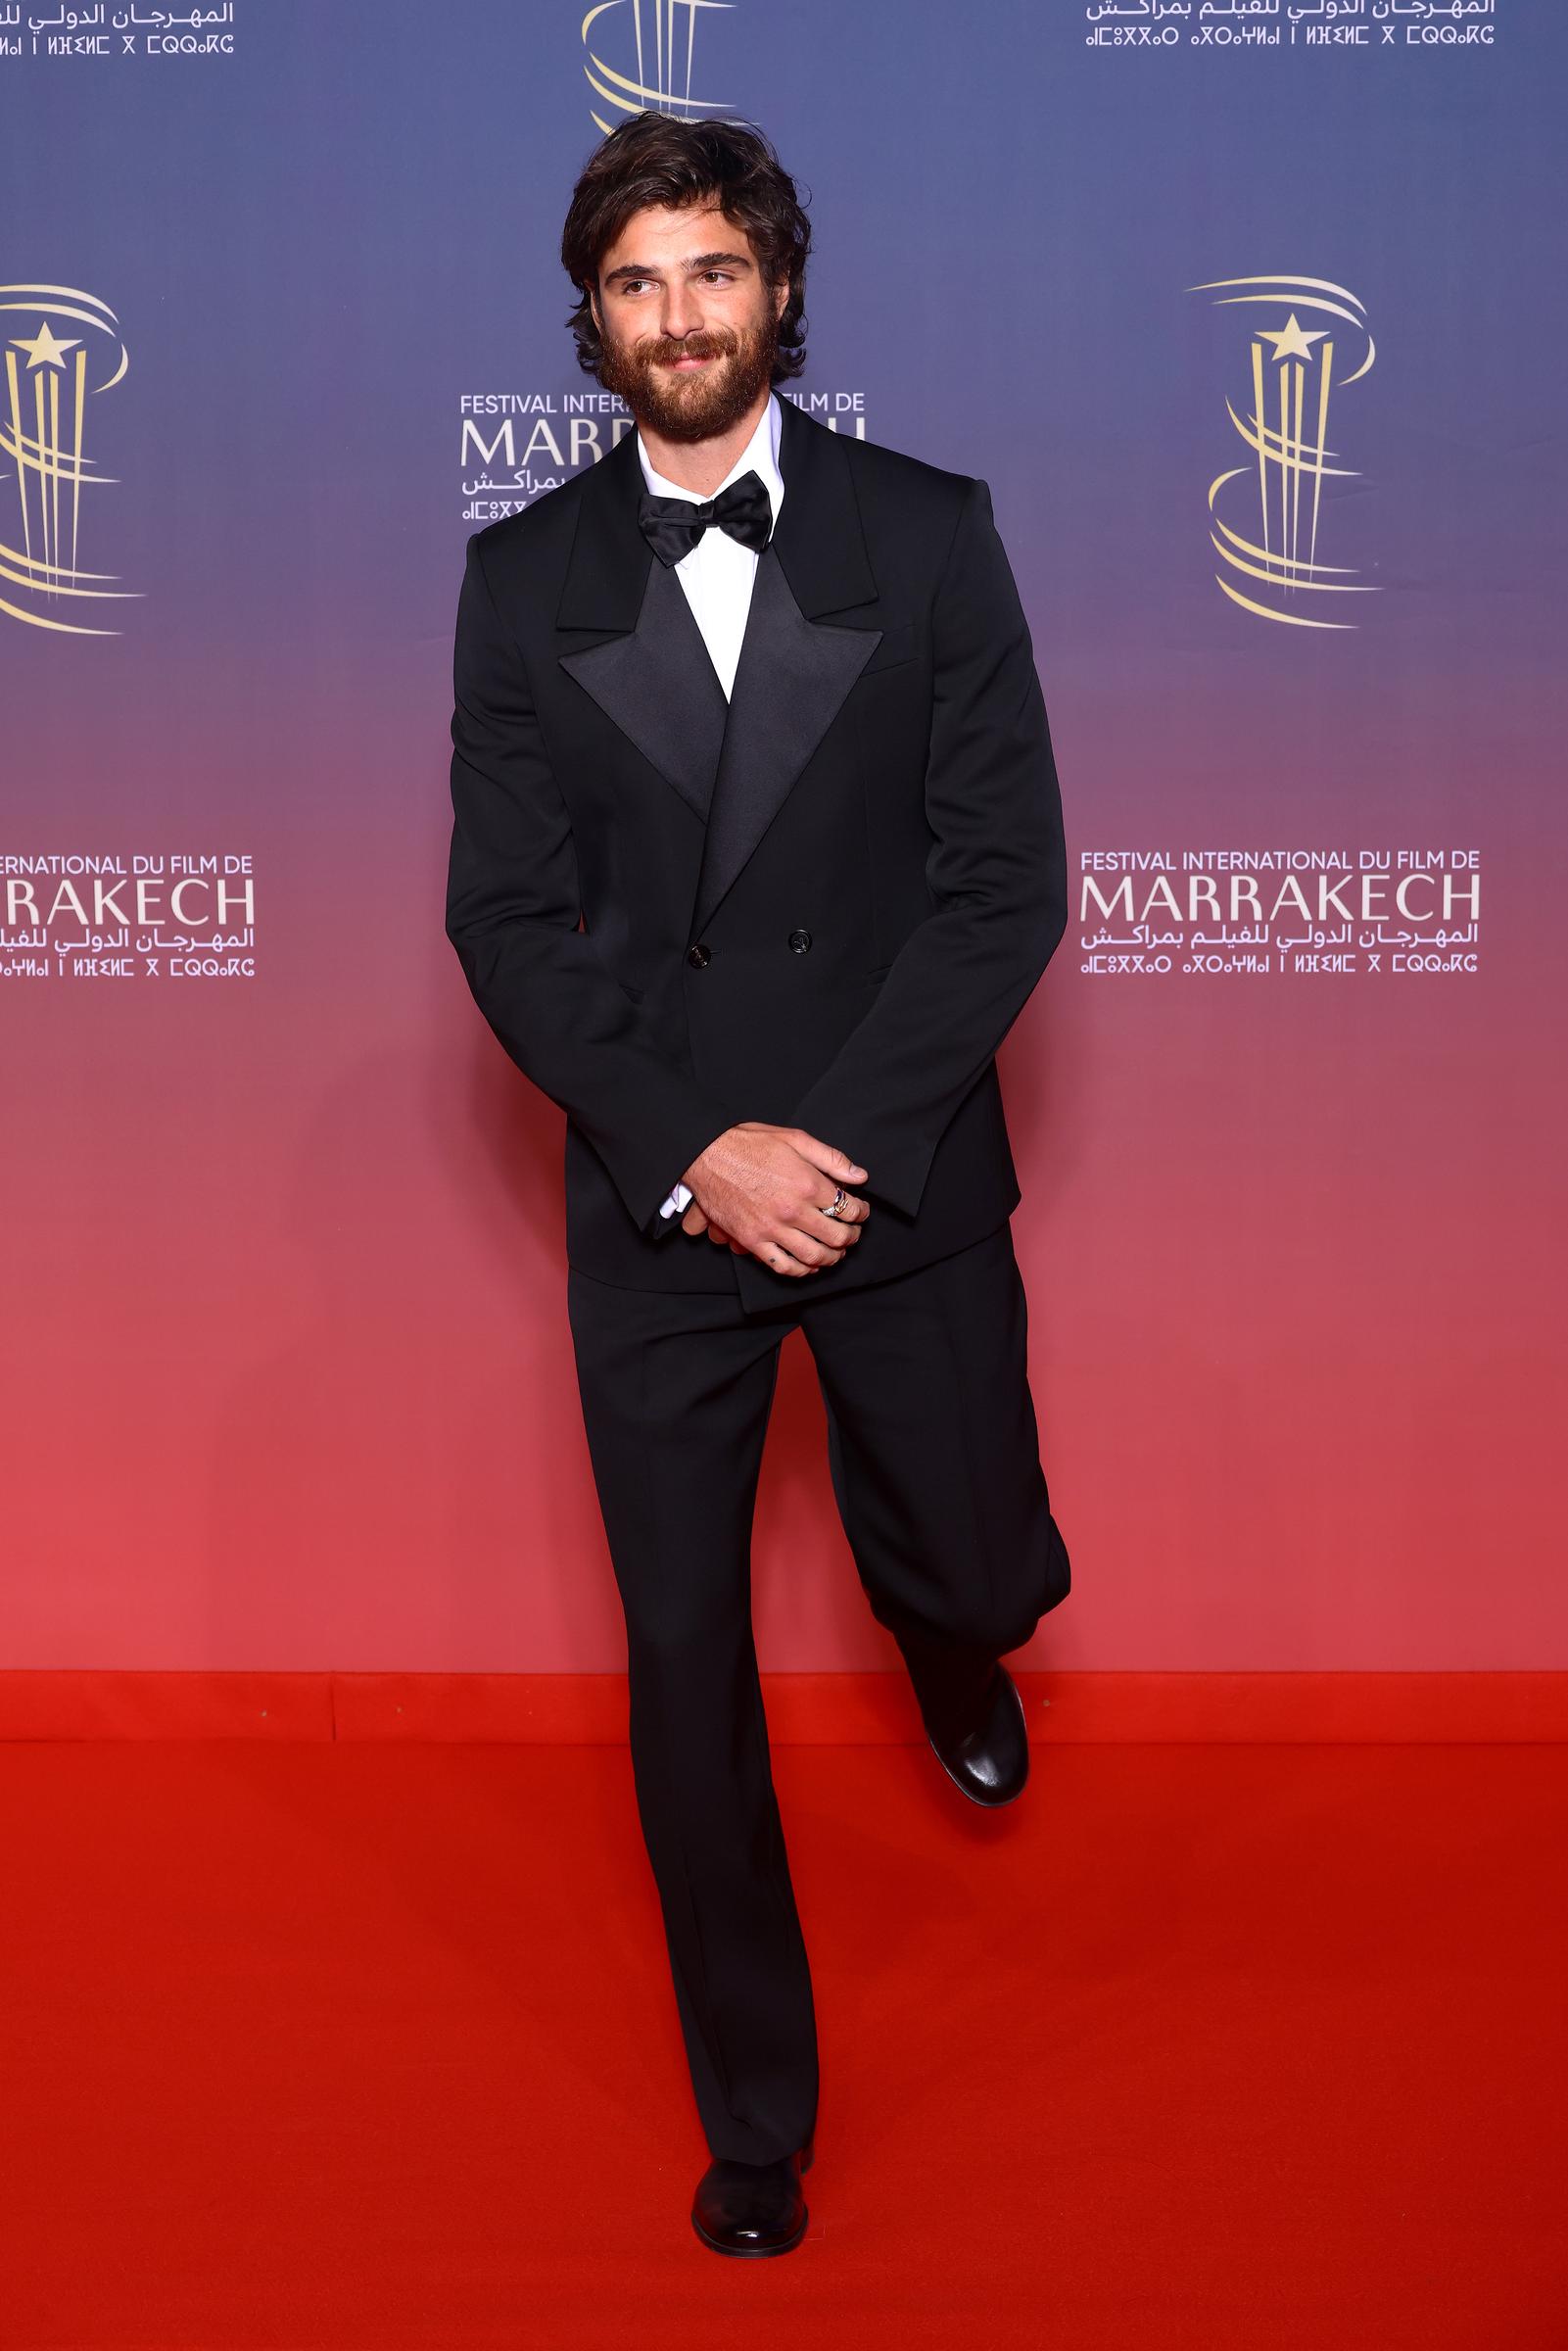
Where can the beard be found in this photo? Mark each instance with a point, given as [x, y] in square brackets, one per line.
[702, 402]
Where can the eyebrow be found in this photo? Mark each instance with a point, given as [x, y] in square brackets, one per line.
[698, 261]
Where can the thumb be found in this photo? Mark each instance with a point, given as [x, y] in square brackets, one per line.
[831, 1161]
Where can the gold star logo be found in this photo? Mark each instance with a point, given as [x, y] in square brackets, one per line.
[1291, 341]
[46, 348]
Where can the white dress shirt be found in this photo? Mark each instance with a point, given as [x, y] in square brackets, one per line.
[717, 575]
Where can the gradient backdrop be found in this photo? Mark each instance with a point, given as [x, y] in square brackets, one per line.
[287, 1379]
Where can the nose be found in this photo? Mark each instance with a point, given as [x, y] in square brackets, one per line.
[683, 311]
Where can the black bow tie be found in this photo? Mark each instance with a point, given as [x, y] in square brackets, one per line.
[672, 526]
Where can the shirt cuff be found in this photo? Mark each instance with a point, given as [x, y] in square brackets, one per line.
[678, 1201]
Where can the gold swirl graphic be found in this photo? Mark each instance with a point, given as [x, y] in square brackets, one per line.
[635, 92]
[49, 379]
[1290, 456]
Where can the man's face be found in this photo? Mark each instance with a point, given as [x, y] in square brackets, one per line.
[690, 330]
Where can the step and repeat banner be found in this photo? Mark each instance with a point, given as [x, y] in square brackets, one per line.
[1249, 313]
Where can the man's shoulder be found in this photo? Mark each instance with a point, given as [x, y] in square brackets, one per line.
[546, 521]
[900, 493]
[899, 473]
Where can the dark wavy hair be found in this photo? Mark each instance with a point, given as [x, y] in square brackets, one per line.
[654, 158]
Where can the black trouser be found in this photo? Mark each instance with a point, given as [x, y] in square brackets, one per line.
[936, 1464]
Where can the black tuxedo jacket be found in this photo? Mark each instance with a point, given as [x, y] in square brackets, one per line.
[821, 903]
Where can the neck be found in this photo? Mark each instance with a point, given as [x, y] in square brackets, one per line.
[701, 465]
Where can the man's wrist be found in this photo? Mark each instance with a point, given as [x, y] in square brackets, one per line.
[683, 1186]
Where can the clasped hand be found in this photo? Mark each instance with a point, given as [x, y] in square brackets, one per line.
[762, 1190]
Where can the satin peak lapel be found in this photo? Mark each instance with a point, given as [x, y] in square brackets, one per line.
[656, 681]
[789, 684]
[795, 670]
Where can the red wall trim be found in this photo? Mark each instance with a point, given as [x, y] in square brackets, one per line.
[804, 1710]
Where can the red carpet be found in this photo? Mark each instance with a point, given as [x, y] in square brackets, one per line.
[350, 2047]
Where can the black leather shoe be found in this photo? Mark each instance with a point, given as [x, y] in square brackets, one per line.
[752, 2207]
[989, 1757]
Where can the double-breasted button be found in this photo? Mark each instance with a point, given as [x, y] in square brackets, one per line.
[801, 941]
[698, 955]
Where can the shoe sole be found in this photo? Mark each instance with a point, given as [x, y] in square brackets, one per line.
[990, 1803]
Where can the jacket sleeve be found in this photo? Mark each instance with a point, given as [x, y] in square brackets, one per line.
[997, 874]
[512, 915]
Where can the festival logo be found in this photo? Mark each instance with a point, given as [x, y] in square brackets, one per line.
[1296, 369]
[662, 48]
[71, 355]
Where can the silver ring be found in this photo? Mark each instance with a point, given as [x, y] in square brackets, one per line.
[838, 1202]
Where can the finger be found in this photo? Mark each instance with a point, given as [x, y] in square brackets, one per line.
[795, 1260]
[813, 1249]
[851, 1209]
[840, 1230]
[837, 1233]
[826, 1156]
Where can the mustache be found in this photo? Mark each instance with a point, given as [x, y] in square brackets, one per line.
[694, 348]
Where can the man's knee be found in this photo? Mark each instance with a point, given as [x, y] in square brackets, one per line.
[679, 1628]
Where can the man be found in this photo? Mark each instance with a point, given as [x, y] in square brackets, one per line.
[757, 854]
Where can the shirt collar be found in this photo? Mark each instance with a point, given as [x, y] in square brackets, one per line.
[761, 453]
